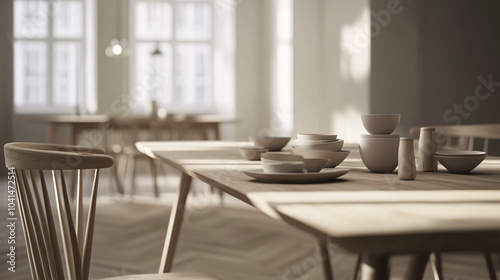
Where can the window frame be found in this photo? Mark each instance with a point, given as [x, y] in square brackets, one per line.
[85, 94]
[175, 106]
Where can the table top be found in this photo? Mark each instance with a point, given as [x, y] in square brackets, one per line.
[220, 163]
[359, 206]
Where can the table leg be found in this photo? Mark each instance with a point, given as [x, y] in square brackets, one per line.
[52, 133]
[437, 265]
[375, 267]
[174, 224]
[416, 267]
[491, 267]
[325, 260]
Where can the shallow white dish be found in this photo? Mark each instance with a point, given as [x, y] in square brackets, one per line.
[297, 178]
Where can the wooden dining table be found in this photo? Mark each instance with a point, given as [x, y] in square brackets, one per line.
[371, 214]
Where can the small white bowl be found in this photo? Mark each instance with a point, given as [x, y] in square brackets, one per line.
[283, 167]
[380, 123]
[315, 164]
[329, 137]
[252, 153]
[327, 146]
[269, 142]
[460, 162]
[334, 157]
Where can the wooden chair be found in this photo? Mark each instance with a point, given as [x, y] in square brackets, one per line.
[463, 136]
[45, 238]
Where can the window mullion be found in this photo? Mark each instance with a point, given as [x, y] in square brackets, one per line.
[50, 54]
[173, 68]
[82, 86]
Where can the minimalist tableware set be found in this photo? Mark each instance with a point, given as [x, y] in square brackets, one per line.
[310, 154]
[322, 146]
[379, 149]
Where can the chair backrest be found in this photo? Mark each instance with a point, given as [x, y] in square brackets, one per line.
[464, 134]
[30, 161]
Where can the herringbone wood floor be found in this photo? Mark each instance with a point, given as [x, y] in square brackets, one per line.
[232, 241]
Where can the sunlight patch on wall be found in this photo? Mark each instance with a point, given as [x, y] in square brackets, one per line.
[347, 125]
[355, 43]
[282, 90]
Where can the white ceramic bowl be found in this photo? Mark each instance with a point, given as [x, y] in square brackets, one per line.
[283, 167]
[327, 146]
[334, 157]
[380, 123]
[461, 162]
[379, 153]
[315, 164]
[281, 157]
[269, 142]
[252, 153]
[329, 137]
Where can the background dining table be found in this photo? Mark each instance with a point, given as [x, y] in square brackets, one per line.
[206, 125]
[375, 215]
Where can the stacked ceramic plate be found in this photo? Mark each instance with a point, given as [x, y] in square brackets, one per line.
[282, 167]
[461, 162]
[320, 146]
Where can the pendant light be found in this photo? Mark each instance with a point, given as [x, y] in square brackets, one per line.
[118, 47]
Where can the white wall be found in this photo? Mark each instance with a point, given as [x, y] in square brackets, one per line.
[112, 85]
[331, 85]
[252, 68]
[308, 67]
[428, 58]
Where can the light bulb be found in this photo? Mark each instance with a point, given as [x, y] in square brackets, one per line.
[117, 49]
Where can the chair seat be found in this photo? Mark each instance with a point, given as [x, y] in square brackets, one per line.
[167, 276]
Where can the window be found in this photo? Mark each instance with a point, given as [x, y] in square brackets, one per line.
[172, 54]
[51, 44]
